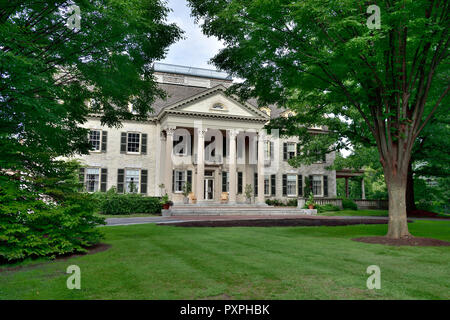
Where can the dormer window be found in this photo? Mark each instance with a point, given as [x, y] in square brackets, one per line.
[218, 106]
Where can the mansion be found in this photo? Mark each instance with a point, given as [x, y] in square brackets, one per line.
[199, 135]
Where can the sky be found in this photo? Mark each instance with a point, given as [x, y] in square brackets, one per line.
[197, 49]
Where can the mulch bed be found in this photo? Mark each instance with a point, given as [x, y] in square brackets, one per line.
[92, 250]
[277, 222]
[424, 214]
[407, 241]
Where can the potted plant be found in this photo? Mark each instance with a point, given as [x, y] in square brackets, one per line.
[166, 203]
[186, 190]
[248, 193]
[310, 203]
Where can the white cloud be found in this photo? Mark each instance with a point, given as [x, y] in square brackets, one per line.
[197, 49]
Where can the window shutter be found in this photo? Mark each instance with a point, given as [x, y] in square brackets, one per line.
[123, 142]
[273, 184]
[311, 184]
[103, 179]
[144, 179]
[257, 149]
[325, 186]
[239, 186]
[255, 182]
[189, 177]
[285, 154]
[82, 178]
[324, 157]
[144, 144]
[224, 181]
[300, 185]
[272, 151]
[192, 145]
[298, 149]
[120, 179]
[173, 181]
[224, 146]
[284, 185]
[104, 138]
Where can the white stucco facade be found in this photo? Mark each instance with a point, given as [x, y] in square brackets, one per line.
[144, 152]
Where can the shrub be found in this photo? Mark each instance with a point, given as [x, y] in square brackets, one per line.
[349, 204]
[31, 228]
[292, 203]
[128, 203]
[327, 207]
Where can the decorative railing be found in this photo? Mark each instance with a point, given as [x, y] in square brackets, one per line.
[333, 201]
[372, 204]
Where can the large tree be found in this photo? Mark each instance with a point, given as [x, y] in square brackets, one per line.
[55, 56]
[322, 58]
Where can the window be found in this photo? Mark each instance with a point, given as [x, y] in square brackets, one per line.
[291, 150]
[266, 185]
[239, 182]
[133, 142]
[95, 139]
[292, 185]
[180, 180]
[317, 185]
[218, 106]
[92, 179]
[225, 182]
[132, 180]
[267, 150]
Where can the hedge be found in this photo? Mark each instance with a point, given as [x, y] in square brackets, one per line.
[113, 203]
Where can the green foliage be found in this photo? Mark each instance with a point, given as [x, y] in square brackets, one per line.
[310, 201]
[349, 204]
[248, 191]
[34, 225]
[187, 188]
[326, 208]
[281, 203]
[113, 203]
[48, 74]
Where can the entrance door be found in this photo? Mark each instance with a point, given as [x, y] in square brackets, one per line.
[209, 189]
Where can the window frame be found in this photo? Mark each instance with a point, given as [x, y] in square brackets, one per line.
[86, 178]
[288, 152]
[140, 142]
[125, 183]
[321, 185]
[183, 181]
[268, 186]
[99, 140]
[294, 186]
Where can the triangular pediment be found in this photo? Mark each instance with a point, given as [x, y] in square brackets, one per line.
[215, 102]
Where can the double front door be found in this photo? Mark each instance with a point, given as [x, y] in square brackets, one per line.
[209, 189]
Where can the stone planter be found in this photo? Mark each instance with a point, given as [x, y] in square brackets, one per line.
[186, 200]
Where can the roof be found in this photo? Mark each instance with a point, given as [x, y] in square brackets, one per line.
[191, 71]
[176, 93]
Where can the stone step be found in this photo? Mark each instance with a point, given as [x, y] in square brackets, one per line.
[236, 211]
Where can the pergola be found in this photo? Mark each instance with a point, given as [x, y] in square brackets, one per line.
[350, 173]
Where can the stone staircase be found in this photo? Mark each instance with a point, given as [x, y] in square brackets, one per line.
[236, 210]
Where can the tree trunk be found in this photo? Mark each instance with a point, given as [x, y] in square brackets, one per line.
[410, 204]
[398, 225]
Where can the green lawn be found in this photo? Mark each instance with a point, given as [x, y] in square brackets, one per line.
[160, 262]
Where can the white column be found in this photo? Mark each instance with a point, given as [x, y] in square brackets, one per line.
[232, 165]
[363, 193]
[168, 160]
[160, 170]
[260, 199]
[200, 164]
